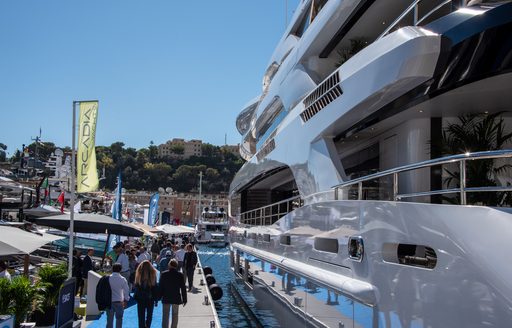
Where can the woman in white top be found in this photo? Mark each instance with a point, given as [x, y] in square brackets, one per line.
[3, 271]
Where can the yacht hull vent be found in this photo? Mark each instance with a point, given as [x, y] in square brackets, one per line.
[322, 96]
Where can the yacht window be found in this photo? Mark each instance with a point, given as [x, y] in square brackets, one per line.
[363, 162]
[326, 244]
[317, 6]
[273, 114]
[285, 240]
[304, 23]
[309, 16]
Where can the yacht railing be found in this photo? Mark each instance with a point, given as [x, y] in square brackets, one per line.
[455, 159]
[269, 214]
[414, 10]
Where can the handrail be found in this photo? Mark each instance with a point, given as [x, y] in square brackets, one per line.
[399, 18]
[427, 15]
[462, 189]
[413, 7]
[266, 214]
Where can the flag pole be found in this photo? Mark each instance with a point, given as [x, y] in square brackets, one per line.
[72, 200]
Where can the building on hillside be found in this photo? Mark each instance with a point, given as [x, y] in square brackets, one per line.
[190, 148]
[234, 149]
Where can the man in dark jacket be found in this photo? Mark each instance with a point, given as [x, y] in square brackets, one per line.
[86, 267]
[173, 291]
[76, 270]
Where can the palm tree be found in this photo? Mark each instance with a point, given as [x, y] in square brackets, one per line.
[473, 133]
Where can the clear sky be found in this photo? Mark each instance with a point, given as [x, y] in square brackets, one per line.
[161, 69]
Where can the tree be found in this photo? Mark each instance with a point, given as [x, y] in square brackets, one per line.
[178, 149]
[44, 150]
[209, 150]
[153, 152]
[158, 174]
[186, 177]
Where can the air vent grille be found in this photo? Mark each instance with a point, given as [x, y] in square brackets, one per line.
[323, 95]
[271, 145]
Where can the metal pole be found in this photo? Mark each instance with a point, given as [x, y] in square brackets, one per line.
[463, 182]
[285, 14]
[415, 14]
[395, 186]
[200, 191]
[72, 200]
[105, 250]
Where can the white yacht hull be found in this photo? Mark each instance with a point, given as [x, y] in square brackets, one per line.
[336, 262]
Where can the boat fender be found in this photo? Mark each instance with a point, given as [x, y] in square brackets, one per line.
[207, 271]
[216, 292]
[210, 280]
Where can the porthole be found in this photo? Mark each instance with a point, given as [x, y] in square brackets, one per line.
[356, 248]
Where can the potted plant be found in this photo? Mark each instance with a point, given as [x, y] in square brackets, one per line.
[51, 278]
[5, 296]
[472, 133]
[25, 298]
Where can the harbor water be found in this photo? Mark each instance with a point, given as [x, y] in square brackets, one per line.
[231, 310]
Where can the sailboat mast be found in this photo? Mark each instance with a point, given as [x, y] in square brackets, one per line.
[200, 190]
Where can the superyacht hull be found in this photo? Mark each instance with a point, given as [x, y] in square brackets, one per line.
[346, 218]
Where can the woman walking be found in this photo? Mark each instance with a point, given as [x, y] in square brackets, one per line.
[146, 293]
[189, 264]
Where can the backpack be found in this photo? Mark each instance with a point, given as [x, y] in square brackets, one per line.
[144, 294]
[103, 293]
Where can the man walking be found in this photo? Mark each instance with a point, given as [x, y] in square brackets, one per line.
[120, 295]
[174, 293]
[122, 259]
[86, 267]
[76, 270]
[189, 265]
[144, 255]
[180, 256]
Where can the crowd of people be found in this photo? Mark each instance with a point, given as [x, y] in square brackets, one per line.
[134, 270]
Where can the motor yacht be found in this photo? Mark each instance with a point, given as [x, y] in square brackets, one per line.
[376, 191]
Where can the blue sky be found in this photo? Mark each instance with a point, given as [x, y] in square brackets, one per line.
[161, 69]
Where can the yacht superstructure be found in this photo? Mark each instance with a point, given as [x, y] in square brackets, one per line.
[212, 223]
[351, 212]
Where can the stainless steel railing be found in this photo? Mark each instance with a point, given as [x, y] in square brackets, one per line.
[269, 214]
[413, 9]
[455, 159]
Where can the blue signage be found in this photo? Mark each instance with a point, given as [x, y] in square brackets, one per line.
[153, 209]
[66, 307]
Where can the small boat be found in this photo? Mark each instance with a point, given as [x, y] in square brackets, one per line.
[218, 240]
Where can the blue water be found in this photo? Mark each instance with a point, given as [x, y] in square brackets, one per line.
[230, 312]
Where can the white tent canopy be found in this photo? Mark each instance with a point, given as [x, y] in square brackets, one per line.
[14, 241]
[175, 229]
